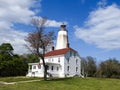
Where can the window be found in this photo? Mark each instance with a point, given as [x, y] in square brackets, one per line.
[70, 53]
[76, 61]
[39, 66]
[47, 67]
[58, 59]
[52, 68]
[34, 67]
[74, 54]
[52, 60]
[57, 68]
[68, 60]
[76, 69]
[33, 73]
[68, 68]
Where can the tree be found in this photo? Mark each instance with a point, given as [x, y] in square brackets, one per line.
[109, 68]
[6, 48]
[39, 40]
[30, 58]
[6, 51]
[11, 64]
[91, 66]
[88, 66]
[84, 66]
[13, 67]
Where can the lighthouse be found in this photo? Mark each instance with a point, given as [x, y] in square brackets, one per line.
[62, 39]
[64, 61]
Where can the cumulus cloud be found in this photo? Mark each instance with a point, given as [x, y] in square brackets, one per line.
[14, 12]
[16, 38]
[102, 28]
[102, 3]
[51, 23]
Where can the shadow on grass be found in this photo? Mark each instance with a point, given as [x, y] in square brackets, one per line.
[59, 79]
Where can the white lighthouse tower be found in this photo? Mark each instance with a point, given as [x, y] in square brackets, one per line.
[62, 39]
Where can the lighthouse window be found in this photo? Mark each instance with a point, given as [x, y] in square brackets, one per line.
[76, 69]
[70, 53]
[52, 68]
[74, 54]
[76, 61]
[58, 59]
[68, 60]
[68, 68]
[34, 67]
[39, 66]
[48, 68]
[52, 60]
[57, 68]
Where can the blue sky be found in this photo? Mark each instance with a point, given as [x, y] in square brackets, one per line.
[93, 25]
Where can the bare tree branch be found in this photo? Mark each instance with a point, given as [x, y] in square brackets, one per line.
[39, 40]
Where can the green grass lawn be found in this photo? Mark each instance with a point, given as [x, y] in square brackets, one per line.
[65, 84]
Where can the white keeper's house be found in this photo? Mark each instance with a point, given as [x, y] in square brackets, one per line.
[63, 61]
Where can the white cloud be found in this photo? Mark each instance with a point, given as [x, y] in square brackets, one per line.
[102, 28]
[102, 3]
[51, 23]
[11, 12]
[16, 38]
[18, 12]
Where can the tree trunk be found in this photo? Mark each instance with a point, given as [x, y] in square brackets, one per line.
[45, 73]
[45, 66]
[45, 69]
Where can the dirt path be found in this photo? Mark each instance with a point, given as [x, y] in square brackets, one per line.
[8, 83]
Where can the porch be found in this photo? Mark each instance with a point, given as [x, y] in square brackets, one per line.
[37, 70]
